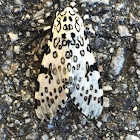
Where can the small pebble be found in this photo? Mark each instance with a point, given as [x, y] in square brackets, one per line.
[19, 2]
[70, 137]
[28, 73]
[13, 36]
[96, 19]
[39, 14]
[41, 21]
[133, 19]
[45, 137]
[131, 122]
[14, 67]
[107, 88]
[28, 34]
[138, 48]
[135, 108]
[111, 50]
[17, 122]
[105, 117]
[17, 49]
[137, 58]
[18, 9]
[25, 114]
[95, 1]
[27, 120]
[27, 16]
[105, 102]
[16, 81]
[138, 73]
[73, 4]
[138, 98]
[9, 53]
[26, 97]
[117, 62]
[99, 124]
[32, 136]
[123, 31]
[47, 14]
[8, 99]
[59, 138]
[138, 132]
[50, 126]
[119, 6]
[131, 137]
[138, 36]
[49, 3]
[86, 17]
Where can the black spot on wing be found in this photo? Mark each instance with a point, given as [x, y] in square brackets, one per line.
[51, 36]
[77, 25]
[63, 101]
[82, 52]
[43, 70]
[72, 13]
[93, 67]
[56, 42]
[70, 18]
[81, 41]
[68, 42]
[78, 66]
[85, 98]
[46, 89]
[37, 86]
[37, 103]
[89, 99]
[75, 58]
[68, 55]
[64, 42]
[65, 27]
[77, 105]
[73, 41]
[55, 54]
[72, 35]
[85, 34]
[60, 47]
[86, 91]
[70, 27]
[47, 49]
[89, 48]
[52, 101]
[63, 13]
[100, 100]
[63, 35]
[65, 18]
[100, 84]
[77, 45]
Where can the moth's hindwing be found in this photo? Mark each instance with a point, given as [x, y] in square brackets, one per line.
[68, 67]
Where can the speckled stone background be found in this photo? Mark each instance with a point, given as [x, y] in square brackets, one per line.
[113, 27]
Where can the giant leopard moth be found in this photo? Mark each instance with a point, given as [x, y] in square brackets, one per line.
[68, 69]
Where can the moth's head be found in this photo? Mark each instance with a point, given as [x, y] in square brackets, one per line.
[68, 21]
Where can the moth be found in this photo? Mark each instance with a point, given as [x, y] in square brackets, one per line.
[68, 70]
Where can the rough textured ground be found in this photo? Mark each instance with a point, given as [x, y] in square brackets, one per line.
[113, 28]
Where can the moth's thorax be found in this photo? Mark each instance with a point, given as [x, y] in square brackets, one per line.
[68, 22]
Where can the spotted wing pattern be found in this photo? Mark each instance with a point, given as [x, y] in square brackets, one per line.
[68, 68]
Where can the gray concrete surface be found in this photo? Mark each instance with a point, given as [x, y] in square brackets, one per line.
[113, 28]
